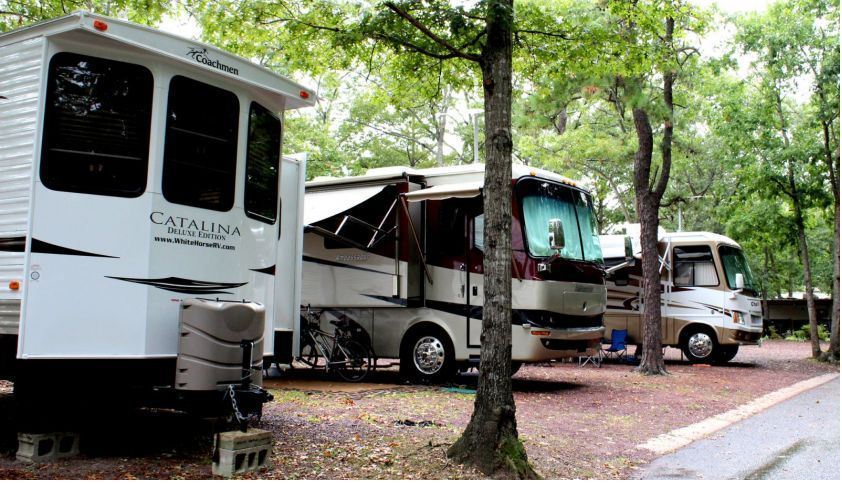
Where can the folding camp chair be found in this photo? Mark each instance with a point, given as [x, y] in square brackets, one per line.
[618, 344]
[595, 358]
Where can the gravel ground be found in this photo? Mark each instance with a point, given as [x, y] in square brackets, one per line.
[576, 423]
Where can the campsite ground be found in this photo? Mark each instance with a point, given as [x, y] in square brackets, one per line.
[577, 423]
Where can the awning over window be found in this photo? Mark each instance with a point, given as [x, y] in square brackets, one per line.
[319, 205]
[451, 190]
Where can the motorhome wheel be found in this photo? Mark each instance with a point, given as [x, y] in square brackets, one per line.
[700, 345]
[427, 355]
[516, 366]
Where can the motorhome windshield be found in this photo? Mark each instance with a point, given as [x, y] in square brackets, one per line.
[542, 202]
[734, 262]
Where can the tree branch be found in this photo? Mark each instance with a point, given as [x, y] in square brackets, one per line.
[557, 35]
[432, 36]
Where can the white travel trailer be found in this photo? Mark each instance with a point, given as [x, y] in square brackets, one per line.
[399, 253]
[709, 303]
[139, 210]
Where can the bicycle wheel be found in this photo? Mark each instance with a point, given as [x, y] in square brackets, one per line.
[351, 360]
[309, 353]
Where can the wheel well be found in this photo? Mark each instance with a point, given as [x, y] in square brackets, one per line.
[424, 326]
[685, 331]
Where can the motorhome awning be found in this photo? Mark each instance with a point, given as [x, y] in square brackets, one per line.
[450, 190]
[321, 205]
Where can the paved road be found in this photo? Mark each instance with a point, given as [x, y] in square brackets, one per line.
[796, 439]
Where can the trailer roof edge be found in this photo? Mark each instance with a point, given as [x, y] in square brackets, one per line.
[297, 95]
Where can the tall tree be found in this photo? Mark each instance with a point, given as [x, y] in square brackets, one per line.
[783, 39]
[478, 37]
[653, 24]
[490, 441]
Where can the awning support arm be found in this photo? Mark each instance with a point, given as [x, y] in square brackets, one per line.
[336, 237]
[417, 241]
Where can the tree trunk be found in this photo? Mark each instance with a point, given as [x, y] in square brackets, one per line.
[832, 353]
[801, 234]
[805, 263]
[652, 360]
[648, 203]
[490, 441]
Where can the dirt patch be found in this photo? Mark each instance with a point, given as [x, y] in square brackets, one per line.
[576, 423]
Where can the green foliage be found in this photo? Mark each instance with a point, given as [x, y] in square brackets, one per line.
[18, 13]
[579, 69]
[803, 334]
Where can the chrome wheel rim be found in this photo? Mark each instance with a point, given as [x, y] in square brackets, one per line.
[428, 355]
[700, 345]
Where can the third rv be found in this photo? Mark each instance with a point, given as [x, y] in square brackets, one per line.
[709, 304]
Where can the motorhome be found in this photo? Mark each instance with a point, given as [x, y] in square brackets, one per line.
[139, 211]
[399, 253]
[709, 304]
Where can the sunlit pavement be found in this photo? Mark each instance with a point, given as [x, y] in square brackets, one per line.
[796, 439]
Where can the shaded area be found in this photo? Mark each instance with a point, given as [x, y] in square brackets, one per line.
[576, 422]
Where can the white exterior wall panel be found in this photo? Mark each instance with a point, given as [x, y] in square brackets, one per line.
[20, 83]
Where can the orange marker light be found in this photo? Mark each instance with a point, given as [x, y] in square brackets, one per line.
[304, 94]
[540, 333]
[100, 25]
[14, 285]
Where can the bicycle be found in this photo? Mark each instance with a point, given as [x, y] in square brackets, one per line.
[343, 354]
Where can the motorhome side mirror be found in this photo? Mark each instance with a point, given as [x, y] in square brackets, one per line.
[621, 278]
[740, 281]
[556, 234]
[627, 243]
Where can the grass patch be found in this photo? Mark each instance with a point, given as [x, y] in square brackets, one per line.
[289, 396]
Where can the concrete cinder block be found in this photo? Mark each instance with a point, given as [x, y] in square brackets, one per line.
[45, 447]
[239, 452]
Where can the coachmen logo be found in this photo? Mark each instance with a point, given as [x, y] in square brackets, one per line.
[200, 55]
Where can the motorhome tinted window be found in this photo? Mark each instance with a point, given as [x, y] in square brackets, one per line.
[734, 262]
[264, 154]
[200, 151]
[694, 266]
[543, 202]
[588, 228]
[479, 232]
[96, 126]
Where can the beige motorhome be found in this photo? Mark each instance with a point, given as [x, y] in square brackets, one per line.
[709, 303]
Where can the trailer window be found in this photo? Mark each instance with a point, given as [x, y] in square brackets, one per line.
[694, 266]
[264, 154]
[96, 126]
[200, 151]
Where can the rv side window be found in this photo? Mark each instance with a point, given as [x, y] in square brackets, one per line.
[96, 126]
[200, 151]
[479, 232]
[694, 266]
[264, 154]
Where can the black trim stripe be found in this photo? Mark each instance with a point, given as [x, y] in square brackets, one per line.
[535, 317]
[18, 244]
[184, 286]
[42, 247]
[12, 244]
[266, 270]
[314, 260]
[394, 300]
